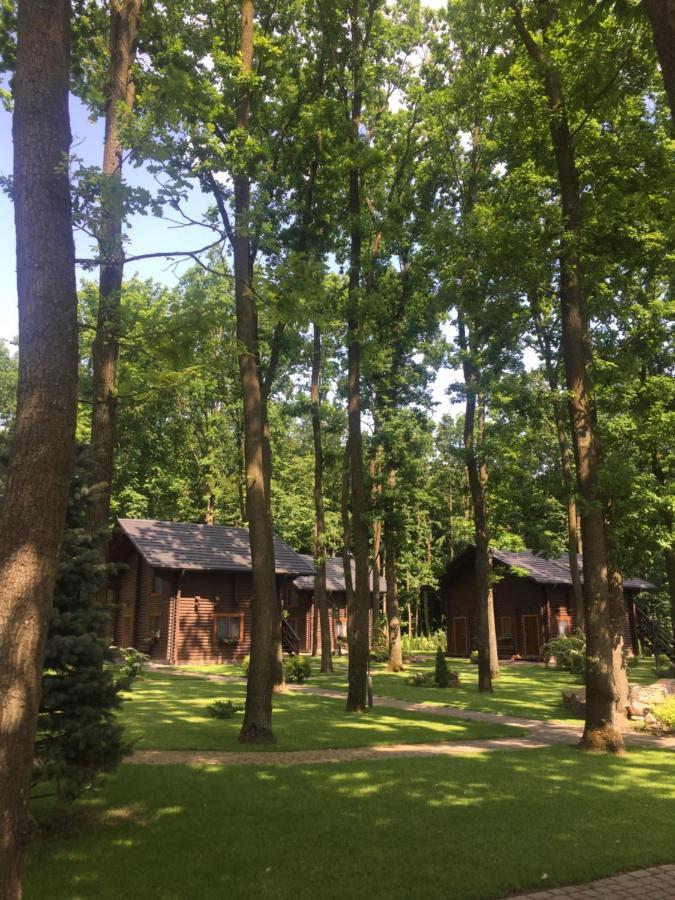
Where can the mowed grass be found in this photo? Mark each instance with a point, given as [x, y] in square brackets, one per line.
[168, 712]
[465, 827]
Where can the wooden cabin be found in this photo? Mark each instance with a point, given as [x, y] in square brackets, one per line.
[302, 609]
[183, 592]
[533, 603]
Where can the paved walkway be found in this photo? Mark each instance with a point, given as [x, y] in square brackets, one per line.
[657, 883]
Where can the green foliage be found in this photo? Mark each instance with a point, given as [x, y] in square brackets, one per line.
[569, 652]
[664, 666]
[421, 679]
[297, 669]
[133, 663]
[245, 664]
[474, 657]
[665, 712]
[441, 677]
[421, 644]
[78, 736]
[224, 709]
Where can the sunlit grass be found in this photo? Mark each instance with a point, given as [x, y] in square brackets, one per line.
[466, 827]
[168, 712]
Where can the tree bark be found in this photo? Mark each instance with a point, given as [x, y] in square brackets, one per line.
[32, 514]
[602, 728]
[357, 612]
[546, 351]
[105, 350]
[257, 725]
[391, 597]
[480, 515]
[662, 16]
[320, 594]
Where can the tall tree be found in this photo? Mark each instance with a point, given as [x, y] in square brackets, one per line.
[33, 511]
[105, 351]
[602, 728]
[257, 725]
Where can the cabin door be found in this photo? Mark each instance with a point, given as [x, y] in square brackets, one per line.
[531, 634]
[460, 635]
[126, 631]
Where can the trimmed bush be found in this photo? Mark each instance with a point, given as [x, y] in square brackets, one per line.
[421, 679]
[569, 652]
[474, 657]
[664, 666]
[245, 663]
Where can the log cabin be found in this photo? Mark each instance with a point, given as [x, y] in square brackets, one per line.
[182, 592]
[302, 609]
[533, 603]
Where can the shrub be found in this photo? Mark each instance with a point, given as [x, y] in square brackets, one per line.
[665, 712]
[379, 654]
[474, 657]
[631, 661]
[569, 652]
[664, 666]
[297, 669]
[421, 679]
[245, 663]
[441, 674]
[224, 709]
[133, 662]
[422, 644]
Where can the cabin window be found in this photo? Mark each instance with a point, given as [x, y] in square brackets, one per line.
[228, 629]
[158, 585]
[155, 628]
[507, 627]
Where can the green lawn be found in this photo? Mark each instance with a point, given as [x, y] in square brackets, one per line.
[521, 690]
[168, 712]
[466, 827]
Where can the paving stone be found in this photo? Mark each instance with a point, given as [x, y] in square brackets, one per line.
[656, 883]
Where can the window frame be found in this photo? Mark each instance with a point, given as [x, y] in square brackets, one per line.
[239, 616]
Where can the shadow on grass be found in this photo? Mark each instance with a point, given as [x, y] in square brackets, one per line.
[461, 827]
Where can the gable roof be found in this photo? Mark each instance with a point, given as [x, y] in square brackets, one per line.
[544, 571]
[335, 575]
[184, 545]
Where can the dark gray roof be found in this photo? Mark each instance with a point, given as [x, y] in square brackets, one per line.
[554, 571]
[183, 545]
[335, 575]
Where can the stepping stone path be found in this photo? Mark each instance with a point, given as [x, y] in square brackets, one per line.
[657, 883]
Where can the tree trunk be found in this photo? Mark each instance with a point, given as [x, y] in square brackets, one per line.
[376, 603]
[257, 725]
[662, 16]
[483, 477]
[667, 520]
[602, 731]
[357, 613]
[32, 514]
[480, 515]
[391, 597]
[617, 612]
[320, 594]
[105, 350]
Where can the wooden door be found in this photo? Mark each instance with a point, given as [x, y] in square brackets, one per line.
[460, 635]
[531, 634]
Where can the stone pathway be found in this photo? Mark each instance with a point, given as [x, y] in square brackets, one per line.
[657, 883]
[541, 734]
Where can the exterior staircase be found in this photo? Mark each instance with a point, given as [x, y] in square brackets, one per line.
[653, 635]
[290, 642]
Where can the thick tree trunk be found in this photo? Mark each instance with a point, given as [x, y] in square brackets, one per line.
[602, 729]
[257, 725]
[105, 351]
[483, 478]
[320, 594]
[617, 612]
[32, 514]
[391, 597]
[662, 16]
